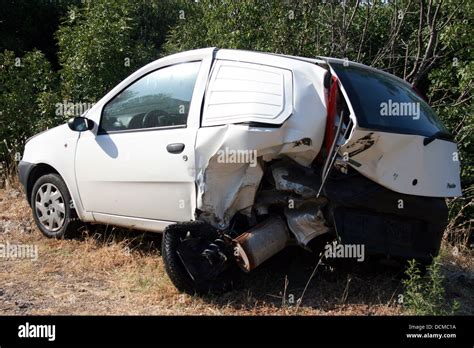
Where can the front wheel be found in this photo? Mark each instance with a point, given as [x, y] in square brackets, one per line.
[52, 211]
[196, 259]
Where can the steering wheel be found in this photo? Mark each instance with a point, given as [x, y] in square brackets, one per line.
[148, 118]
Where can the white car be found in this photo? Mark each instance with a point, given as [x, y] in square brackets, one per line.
[236, 154]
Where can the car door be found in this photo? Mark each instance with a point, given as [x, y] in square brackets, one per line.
[139, 161]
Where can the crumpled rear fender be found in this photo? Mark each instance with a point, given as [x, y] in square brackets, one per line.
[226, 186]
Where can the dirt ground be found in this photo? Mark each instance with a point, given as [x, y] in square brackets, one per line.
[113, 271]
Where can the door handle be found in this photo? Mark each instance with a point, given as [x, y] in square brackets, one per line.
[175, 148]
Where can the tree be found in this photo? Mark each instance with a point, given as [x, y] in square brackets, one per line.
[22, 32]
[103, 42]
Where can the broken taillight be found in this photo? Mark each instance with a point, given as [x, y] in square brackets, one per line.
[332, 104]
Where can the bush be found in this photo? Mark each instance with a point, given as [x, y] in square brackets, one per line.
[103, 42]
[425, 295]
[27, 86]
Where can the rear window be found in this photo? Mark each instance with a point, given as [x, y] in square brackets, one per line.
[381, 102]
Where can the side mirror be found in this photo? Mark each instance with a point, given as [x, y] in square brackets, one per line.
[80, 124]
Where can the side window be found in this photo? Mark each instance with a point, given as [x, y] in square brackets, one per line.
[158, 99]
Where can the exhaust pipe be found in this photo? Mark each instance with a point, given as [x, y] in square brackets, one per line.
[260, 243]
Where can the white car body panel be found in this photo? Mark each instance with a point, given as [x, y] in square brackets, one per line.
[246, 92]
[403, 164]
[134, 223]
[56, 148]
[132, 174]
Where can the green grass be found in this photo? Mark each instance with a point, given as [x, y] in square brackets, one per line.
[425, 295]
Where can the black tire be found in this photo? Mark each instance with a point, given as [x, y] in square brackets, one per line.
[69, 220]
[181, 279]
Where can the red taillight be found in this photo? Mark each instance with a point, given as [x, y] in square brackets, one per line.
[332, 101]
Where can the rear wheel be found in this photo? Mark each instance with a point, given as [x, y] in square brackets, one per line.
[196, 259]
[52, 212]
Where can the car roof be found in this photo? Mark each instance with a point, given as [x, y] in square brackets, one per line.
[239, 54]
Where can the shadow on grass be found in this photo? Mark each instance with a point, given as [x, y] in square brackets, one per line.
[281, 281]
[146, 243]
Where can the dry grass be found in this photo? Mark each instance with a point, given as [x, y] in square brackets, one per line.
[114, 271]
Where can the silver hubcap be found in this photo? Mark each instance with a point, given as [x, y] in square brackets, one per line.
[49, 205]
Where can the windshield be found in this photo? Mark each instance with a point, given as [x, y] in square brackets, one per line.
[382, 102]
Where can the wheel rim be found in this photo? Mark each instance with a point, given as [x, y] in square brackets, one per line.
[49, 206]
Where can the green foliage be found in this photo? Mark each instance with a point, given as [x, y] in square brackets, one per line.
[27, 85]
[305, 28]
[94, 43]
[425, 295]
[103, 42]
[450, 94]
[21, 30]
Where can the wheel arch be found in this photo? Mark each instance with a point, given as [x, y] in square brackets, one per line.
[37, 172]
[42, 168]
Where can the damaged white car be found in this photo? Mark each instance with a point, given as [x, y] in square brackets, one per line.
[235, 155]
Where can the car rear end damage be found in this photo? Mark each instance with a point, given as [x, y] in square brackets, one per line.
[313, 167]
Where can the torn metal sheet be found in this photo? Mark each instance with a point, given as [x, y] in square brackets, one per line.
[225, 188]
[306, 223]
[284, 183]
